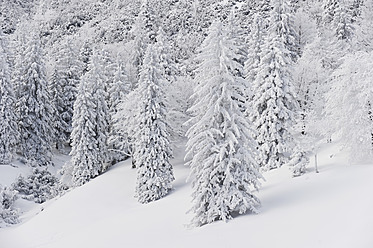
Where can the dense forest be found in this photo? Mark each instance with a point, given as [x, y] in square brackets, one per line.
[249, 86]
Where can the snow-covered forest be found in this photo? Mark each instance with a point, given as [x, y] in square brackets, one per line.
[230, 95]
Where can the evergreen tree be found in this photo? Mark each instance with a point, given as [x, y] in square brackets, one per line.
[343, 22]
[282, 21]
[255, 42]
[89, 148]
[8, 120]
[34, 107]
[153, 151]
[63, 88]
[364, 31]
[338, 17]
[144, 33]
[223, 167]
[85, 56]
[167, 65]
[274, 101]
[100, 96]
[8, 213]
[118, 89]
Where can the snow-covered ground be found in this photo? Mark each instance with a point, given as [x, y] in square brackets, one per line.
[329, 209]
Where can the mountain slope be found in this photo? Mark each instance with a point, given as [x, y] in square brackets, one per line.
[329, 209]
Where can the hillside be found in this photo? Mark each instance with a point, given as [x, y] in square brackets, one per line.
[329, 209]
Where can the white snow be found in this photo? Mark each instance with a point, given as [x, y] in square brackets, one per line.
[329, 209]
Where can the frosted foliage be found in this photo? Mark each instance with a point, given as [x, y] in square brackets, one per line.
[118, 89]
[167, 66]
[152, 151]
[64, 83]
[34, 107]
[223, 167]
[337, 16]
[102, 111]
[274, 103]
[8, 124]
[349, 105]
[282, 23]
[89, 147]
[255, 41]
[125, 122]
[364, 31]
[84, 146]
[305, 28]
[8, 214]
[343, 22]
[40, 186]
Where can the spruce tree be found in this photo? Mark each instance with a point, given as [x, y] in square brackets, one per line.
[153, 151]
[63, 88]
[167, 65]
[89, 147]
[8, 120]
[100, 96]
[274, 102]
[144, 33]
[220, 142]
[118, 89]
[282, 23]
[255, 42]
[34, 107]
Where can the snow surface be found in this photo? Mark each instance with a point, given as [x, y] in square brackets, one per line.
[329, 209]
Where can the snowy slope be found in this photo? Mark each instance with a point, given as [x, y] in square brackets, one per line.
[329, 209]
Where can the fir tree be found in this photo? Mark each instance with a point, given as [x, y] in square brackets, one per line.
[153, 151]
[223, 167]
[255, 42]
[144, 33]
[343, 22]
[34, 107]
[89, 147]
[8, 120]
[274, 101]
[119, 88]
[85, 54]
[282, 21]
[63, 87]
[167, 65]
[100, 96]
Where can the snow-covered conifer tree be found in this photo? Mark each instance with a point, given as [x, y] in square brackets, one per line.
[282, 22]
[34, 107]
[89, 147]
[144, 33]
[8, 120]
[364, 31]
[274, 102]
[85, 54]
[343, 21]
[338, 17]
[63, 87]
[152, 151]
[168, 67]
[100, 96]
[220, 141]
[255, 41]
[8, 213]
[118, 89]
